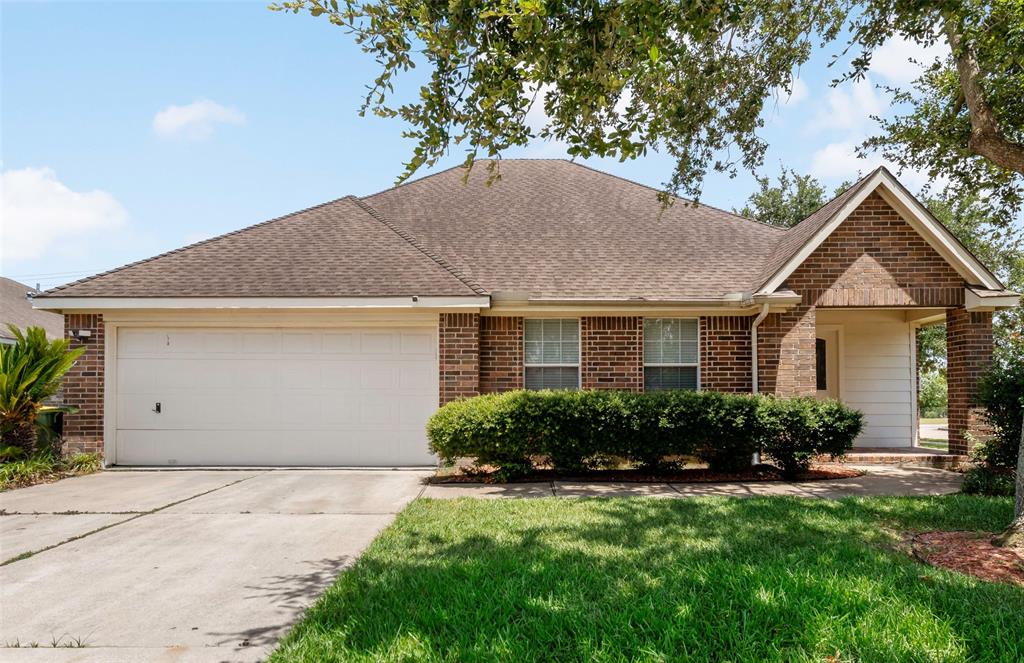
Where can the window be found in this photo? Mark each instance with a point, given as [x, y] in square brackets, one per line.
[552, 354]
[670, 354]
[821, 363]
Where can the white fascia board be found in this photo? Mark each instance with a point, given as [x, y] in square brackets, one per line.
[914, 213]
[97, 303]
[974, 302]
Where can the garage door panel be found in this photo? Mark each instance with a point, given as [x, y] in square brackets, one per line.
[416, 378]
[339, 409]
[240, 448]
[339, 375]
[344, 343]
[417, 343]
[378, 376]
[301, 343]
[309, 396]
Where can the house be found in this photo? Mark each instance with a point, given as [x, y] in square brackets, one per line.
[329, 336]
[16, 309]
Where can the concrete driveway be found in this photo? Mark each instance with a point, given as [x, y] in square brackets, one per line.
[180, 565]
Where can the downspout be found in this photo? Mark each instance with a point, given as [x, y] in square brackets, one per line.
[753, 362]
[753, 346]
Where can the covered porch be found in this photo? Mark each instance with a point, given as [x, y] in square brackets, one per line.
[867, 358]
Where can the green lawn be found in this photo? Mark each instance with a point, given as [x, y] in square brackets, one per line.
[766, 579]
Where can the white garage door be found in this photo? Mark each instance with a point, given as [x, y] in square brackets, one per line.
[275, 396]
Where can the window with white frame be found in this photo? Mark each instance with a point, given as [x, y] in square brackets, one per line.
[671, 355]
[552, 353]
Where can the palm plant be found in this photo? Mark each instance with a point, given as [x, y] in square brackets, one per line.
[30, 372]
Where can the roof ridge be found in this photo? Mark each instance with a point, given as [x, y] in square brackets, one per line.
[686, 200]
[590, 168]
[189, 246]
[415, 243]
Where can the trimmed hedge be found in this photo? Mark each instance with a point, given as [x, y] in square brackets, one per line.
[579, 430]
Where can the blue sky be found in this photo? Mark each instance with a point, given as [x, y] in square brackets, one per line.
[129, 129]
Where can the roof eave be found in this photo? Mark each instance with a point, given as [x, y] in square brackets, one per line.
[52, 303]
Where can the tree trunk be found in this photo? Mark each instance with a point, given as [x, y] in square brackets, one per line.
[22, 436]
[987, 137]
[1013, 536]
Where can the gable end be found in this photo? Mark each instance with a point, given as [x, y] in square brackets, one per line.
[876, 258]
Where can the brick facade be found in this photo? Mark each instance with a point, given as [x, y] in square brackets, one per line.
[501, 353]
[83, 386]
[968, 354]
[458, 355]
[725, 353]
[612, 352]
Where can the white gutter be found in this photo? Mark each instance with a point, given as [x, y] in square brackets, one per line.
[753, 346]
[96, 303]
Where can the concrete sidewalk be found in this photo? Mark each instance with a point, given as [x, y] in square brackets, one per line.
[878, 480]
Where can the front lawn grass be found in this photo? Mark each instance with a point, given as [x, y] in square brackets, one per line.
[623, 579]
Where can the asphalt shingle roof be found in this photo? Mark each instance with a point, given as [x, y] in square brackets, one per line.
[547, 229]
[338, 249]
[556, 229]
[16, 309]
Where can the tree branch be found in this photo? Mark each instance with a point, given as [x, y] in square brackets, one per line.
[986, 139]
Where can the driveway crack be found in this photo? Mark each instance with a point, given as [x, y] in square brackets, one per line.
[141, 514]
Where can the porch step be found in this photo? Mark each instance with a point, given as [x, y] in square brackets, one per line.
[905, 456]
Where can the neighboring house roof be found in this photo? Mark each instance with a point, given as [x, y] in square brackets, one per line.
[336, 249]
[16, 309]
[547, 230]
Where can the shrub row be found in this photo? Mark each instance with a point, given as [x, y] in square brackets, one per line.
[577, 430]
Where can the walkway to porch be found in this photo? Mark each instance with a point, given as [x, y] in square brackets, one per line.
[915, 456]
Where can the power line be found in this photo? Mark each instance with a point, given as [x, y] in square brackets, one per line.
[54, 274]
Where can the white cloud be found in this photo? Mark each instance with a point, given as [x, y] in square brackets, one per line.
[839, 161]
[850, 106]
[38, 211]
[195, 121]
[900, 61]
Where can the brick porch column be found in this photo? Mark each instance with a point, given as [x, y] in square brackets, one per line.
[786, 352]
[968, 354]
[83, 386]
[458, 355]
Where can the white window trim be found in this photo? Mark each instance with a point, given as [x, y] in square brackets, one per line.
[579, 353]
[696, 364]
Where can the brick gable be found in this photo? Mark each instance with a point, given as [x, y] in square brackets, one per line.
[875, 258]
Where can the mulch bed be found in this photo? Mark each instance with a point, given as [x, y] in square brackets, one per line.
[695, 475]
[971, 553]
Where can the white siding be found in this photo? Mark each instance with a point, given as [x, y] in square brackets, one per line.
[877, 380]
